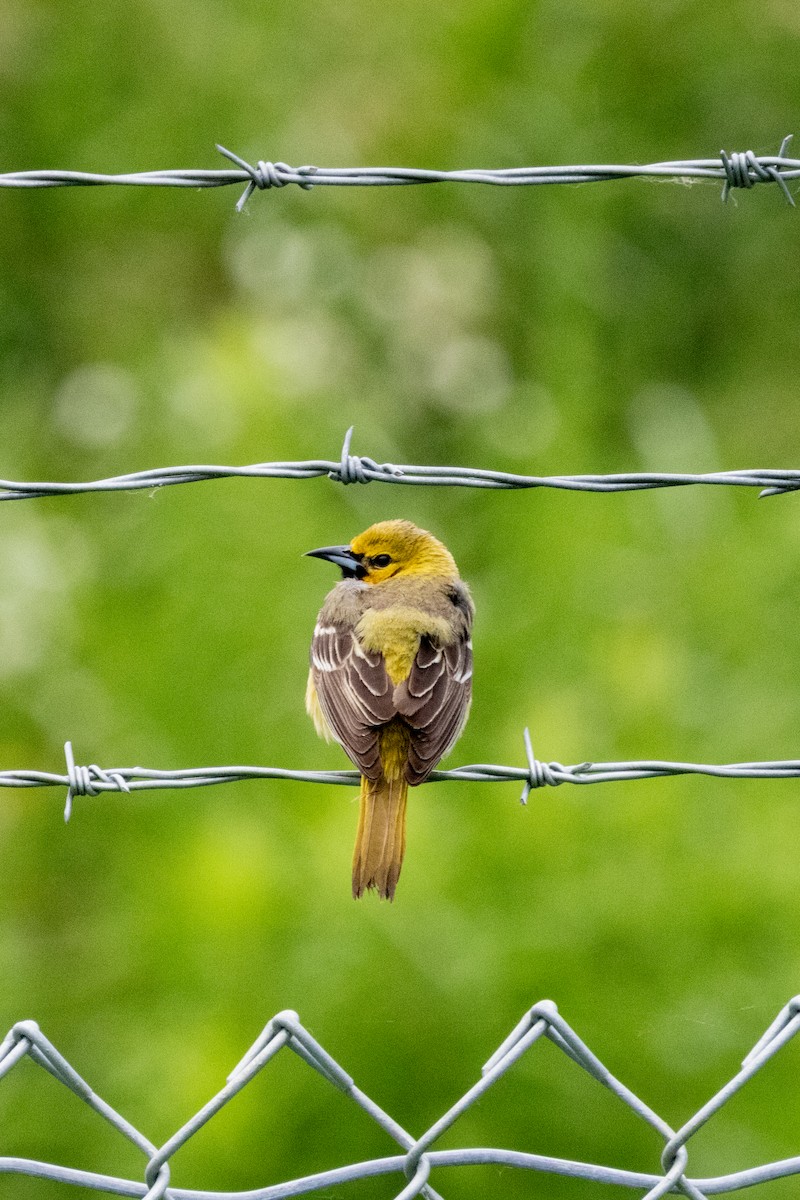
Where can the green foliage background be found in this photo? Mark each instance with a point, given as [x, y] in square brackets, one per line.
[615, 327]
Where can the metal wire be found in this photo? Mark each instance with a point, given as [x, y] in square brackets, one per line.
[92, 780]
[741, 169]
[351, 468]
[418, 1158]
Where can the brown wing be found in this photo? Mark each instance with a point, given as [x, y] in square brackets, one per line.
[435, 701]
[354, 691]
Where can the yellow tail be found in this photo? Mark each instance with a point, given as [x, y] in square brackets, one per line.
[381, 837]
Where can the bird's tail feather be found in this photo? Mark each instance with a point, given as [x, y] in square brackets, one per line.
[381, 836]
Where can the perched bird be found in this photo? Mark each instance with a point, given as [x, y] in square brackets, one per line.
[390, 678]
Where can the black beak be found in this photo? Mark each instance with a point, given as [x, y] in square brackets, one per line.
[340, 556]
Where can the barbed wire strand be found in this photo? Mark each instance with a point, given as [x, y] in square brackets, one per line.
[286, 1032]
[741, 169]
[93, 780]
[351, 468]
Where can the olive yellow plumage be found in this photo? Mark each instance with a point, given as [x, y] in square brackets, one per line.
[391, 678]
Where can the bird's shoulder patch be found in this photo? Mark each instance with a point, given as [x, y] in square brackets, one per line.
[458, 595]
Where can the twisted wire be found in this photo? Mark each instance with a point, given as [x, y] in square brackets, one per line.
[351, 468]
[94, 780]
[419, 1157]
[740, 169]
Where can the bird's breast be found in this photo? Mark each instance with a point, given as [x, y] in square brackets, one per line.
[396, 632]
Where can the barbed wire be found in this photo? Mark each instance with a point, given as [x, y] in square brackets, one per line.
[741, 169]
[352, 468]
[419, 1158]
[92, 780]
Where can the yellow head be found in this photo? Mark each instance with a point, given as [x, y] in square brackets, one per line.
[399, 548]
[391, 548]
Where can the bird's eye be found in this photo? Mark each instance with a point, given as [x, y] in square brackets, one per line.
[381, 560]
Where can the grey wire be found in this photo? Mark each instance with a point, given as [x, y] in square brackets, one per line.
[351, 468]
[738, 170]
[741, 169]
[285, 1032]
[92, 780]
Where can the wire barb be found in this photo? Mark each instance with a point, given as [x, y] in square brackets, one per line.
[540, 774]
[355, 469]
[83, 780]
[744, 170]
[265, 175]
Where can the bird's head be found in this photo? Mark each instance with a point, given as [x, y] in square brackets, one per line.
[388, 549]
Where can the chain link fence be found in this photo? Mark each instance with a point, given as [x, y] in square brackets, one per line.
[419, 1158]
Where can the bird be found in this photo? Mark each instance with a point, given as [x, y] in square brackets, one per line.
[391, 678]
